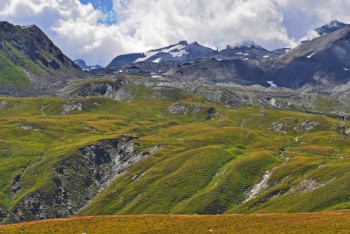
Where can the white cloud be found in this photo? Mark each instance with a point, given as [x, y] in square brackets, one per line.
[325, 11]
[144, 25]
[214, 23]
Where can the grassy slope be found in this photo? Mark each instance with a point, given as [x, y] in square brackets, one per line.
[10, 73]
[205, 166]
[328, 222]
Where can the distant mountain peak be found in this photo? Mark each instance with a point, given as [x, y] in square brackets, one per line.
[330, 27]
[183, 42]
[181, 52]
[82, 64]
[247, 44]
[323, 30]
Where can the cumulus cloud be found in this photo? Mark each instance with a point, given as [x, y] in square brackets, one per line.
[78, 29]
[67, 22]
[214, 23]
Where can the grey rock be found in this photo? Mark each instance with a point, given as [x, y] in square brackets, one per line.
[77, 179]
[306, 126]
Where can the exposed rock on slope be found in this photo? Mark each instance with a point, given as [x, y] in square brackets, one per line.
[76, 180]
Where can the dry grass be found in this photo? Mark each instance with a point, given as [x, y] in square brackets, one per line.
[325, 222]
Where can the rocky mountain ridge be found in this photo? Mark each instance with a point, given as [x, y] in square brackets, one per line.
[31, 60]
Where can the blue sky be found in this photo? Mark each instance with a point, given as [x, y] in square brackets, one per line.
[100, 4]
[106, 6]
[99, 30]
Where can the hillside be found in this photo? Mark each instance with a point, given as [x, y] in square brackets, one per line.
[30, 61]
[182, 154]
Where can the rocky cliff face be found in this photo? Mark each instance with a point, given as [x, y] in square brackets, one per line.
[77, 179]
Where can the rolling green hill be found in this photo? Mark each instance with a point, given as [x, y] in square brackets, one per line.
[162, 152]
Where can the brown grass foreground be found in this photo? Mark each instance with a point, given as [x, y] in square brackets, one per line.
[325, 222]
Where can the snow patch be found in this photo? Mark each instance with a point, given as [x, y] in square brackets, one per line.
[148, 55]
[309, 56]
[266, 56]
[346, 69]
[175, 47]
[158, 60]
[240, 53]
[271, 83]
[175, 51]
[179, 53]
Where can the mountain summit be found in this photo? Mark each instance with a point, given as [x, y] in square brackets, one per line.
[180, 52]
[30, 58]
[323, 30]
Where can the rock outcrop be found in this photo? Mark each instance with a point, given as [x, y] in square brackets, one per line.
[76, 180]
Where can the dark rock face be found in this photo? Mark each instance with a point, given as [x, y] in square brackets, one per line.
[322, 62]
[331, 27]
[244, 52]
[3, 214]
[76, 180]
[125, 59]
[226, 71]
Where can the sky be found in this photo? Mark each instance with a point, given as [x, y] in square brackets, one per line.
[99, 30]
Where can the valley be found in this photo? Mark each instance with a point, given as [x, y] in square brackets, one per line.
[181, 139]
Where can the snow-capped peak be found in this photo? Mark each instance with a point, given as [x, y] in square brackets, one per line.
[323, 30]
[181, 52]
[176, 50]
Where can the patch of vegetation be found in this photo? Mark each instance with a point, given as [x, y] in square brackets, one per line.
[10, 73]
[326, 222]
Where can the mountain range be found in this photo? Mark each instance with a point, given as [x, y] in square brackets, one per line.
[317, 64]
[183, 129]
